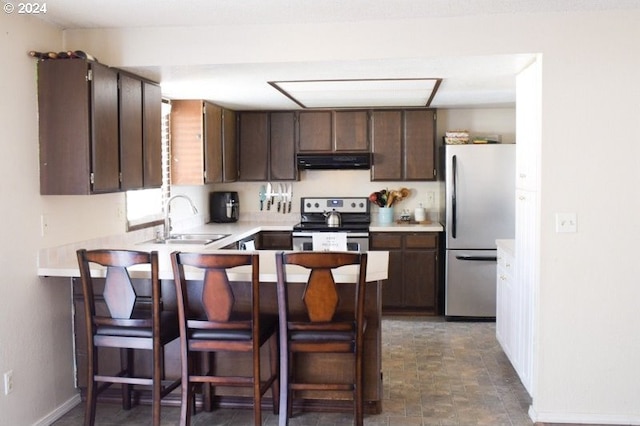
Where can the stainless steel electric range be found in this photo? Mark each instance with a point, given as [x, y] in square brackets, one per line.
[354, 214]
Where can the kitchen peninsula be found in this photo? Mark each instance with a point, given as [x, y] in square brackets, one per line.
[59, 266]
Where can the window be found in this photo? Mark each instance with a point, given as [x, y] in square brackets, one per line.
[145, 206]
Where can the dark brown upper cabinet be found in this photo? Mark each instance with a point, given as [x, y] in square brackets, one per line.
[333, 131]
[403, 145]
[229, 146]
[140, 108]
[99, 129]
[315, 131]
[351, 131]
[152, 135]
[266, 143]
[78, 125]
[201, 150]
[253, 146]
[131, 132]
[282, 146]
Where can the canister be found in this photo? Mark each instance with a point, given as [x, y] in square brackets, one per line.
[419, 214]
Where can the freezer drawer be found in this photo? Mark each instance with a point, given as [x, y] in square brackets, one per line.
[470, 283]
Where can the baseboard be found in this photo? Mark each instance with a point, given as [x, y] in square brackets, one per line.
[583, 418]
[59, 411]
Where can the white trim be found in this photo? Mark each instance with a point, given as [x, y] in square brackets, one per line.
[582, 418]
[60, 411]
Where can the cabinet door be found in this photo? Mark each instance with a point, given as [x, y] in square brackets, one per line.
[386, 145]
[131, 132]
[527, 265]
[351, 133]
[187, 132]
[393, 290]
[419, 145]
[152, 135]
[282, 146]
[393, 287]
[64, 130]
[253, 141]
[229, 146]
[213, 166]
[420, 266]
[506, 305]
[420, 279]
[105, 158]
[315, 131]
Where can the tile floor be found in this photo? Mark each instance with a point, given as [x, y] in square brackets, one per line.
[435, 373]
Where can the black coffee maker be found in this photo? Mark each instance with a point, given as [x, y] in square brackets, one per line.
[224, 206]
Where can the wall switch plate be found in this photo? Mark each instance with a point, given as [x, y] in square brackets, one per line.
[566, 222]
[8, 382]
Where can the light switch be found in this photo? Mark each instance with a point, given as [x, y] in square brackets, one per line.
[566, 222]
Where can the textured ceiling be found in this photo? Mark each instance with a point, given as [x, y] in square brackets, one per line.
[467, 81]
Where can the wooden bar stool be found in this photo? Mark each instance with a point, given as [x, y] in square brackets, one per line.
[216, 316]
[129, 323]
[327, 325]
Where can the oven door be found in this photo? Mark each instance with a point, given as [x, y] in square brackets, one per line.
[356, 241]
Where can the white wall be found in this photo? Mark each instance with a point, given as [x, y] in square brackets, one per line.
[35, 316]
[588, 345]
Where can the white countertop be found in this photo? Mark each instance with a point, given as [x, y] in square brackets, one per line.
[62, 262]
[406, 227]
[506, 245]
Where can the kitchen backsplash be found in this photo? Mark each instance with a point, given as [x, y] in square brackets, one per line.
[323, 183]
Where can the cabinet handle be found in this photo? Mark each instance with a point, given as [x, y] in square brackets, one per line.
[454, 196]
[478, 258]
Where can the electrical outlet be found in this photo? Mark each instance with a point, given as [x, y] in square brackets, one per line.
[430, 199]
[8, 382]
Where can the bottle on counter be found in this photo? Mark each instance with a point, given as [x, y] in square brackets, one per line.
[419, 214]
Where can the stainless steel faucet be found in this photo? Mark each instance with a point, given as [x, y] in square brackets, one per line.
[167, 207]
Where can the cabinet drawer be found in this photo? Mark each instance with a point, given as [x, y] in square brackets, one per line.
[386, 241]
[421, 240]
[275, 240]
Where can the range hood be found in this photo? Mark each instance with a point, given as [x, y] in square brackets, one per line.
[334, 161]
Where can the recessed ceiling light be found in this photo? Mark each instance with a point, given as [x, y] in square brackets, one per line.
[403, 92]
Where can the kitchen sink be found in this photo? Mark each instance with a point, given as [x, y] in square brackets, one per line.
[195, 239]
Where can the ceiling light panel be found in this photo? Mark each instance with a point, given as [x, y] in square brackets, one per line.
[360, 93]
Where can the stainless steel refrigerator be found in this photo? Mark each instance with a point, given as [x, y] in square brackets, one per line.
[480, 208]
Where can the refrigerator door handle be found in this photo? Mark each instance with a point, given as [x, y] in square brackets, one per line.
[454, 208]
[478, 258]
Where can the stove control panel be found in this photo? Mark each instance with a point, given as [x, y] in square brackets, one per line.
[339, 204]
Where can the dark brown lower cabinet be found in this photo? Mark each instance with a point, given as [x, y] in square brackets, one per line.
[275, 240]
[413, 284]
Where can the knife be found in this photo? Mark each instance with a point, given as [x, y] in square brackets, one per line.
[285, 200]
[290, 195]
[280, 196]
[269, 196]
[262, 196]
